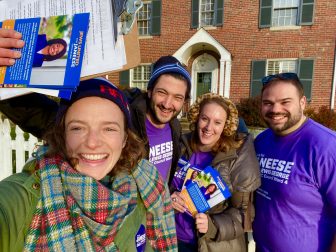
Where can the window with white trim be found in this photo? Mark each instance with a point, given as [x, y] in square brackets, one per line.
[140, 76]
[285, 12]
[207, 12]
[143, 19]
[281, 66]
[304, 67]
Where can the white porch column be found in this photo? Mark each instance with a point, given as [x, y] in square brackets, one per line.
[221, 76]
[227, 79]
[333, 87]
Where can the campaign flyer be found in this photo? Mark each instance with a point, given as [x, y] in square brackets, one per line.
[52, 55]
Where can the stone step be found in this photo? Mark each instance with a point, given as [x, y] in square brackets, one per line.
[184, 125]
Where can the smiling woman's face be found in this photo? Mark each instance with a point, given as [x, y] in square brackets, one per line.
[210, 125]
[55, 49]
[95, 135]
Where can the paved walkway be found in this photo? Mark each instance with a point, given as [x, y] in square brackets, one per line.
[251, 244]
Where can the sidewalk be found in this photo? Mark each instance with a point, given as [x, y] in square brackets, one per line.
[251, 243]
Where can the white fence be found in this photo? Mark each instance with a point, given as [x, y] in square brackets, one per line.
[13, 152]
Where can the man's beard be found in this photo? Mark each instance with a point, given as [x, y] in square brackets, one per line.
[291, 121]
[154, 116]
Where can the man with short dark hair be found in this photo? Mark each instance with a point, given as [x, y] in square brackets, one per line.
[296, 203]
[154, 113]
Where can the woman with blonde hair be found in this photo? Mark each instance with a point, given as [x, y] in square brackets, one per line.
[214, 141]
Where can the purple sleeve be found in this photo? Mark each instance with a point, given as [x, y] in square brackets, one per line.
[326, 176]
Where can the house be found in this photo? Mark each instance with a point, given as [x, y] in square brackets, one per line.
[228, 46]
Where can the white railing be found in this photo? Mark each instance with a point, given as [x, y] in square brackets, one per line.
[10, 163]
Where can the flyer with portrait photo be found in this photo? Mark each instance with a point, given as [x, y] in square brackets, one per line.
[52, 55]
[204, 189]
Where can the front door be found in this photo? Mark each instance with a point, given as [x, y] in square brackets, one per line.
[203, 83]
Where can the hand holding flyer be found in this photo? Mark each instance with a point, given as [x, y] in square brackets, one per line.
[52, 55]
[203, 190]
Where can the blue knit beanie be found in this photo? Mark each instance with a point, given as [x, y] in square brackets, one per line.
[99, 87]
[167, 64]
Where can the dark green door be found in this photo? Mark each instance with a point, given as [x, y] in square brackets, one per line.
[203, 83]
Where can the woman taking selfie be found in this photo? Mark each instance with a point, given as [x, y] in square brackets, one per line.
[214, 141]
[89, 189]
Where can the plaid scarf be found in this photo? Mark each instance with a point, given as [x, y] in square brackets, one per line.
[78, 213]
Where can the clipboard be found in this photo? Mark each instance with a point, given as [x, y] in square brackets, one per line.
[132, 50]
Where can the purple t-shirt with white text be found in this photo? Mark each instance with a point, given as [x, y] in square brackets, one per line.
[185, 224]
[296, 203]
[160, 148]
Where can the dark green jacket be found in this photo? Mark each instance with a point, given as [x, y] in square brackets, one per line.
[19, 195]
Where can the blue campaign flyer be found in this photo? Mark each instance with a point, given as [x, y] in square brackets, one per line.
[204, 189]
[52, 55]
[20, 72]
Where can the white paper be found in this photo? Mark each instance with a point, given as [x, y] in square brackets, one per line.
[7, 93]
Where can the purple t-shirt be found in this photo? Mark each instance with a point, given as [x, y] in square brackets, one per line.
[296, 203]
[185, 224]
[160, 148]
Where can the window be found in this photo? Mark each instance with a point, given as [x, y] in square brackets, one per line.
[303, 67]
[140, 76]
[149, 18]
[281, 66]
[206, 13]
[143, 18]
[276, 13]
[285, 12]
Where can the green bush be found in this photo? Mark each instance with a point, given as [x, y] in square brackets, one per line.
[249, 110]
[324, 115]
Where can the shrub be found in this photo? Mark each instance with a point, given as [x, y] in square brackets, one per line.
[249, 110]
[324, 115]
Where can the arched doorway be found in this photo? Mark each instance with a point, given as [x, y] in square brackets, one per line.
[204, 75]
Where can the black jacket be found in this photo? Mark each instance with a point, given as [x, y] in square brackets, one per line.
[34, 113]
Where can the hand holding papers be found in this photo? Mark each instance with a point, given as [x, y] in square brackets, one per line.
[52, 55]
[103, 53]
[202, 189]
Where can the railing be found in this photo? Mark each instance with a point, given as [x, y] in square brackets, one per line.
[13, 153]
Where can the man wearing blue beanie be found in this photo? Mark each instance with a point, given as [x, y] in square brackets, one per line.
[153, 112]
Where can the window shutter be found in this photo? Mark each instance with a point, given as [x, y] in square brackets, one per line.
[152, 68]
[219, 12]
[258, 72]
[307, 12]
[156, 17]
[124, 79]
[265, 13]
[306, 69]
[194, 13]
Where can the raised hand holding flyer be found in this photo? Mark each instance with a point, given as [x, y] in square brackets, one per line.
[52, 55]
